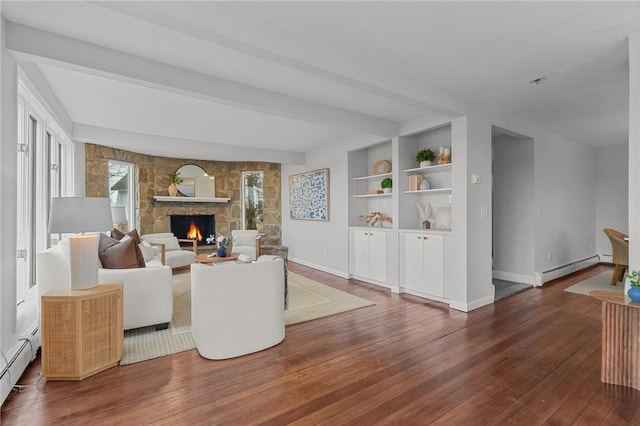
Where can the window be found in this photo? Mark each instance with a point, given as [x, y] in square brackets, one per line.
[39, 177]
[252, 200]
[122, 190]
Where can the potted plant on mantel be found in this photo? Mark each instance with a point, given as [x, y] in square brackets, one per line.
[634, 290]
[425, 157]
[174, 181]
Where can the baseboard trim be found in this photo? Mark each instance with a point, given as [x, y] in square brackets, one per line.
[513, 277]
[467, 307]
[425, 295]
[319, 267]
[19, 359]
[561, 271]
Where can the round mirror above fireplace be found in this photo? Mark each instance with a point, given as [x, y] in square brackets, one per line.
[188, 173]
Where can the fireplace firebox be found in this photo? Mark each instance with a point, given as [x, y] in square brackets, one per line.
[199, 227]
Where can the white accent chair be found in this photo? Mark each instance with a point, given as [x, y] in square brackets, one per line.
[246, 242]
[147, 292]
[237, 308]
[173, 254]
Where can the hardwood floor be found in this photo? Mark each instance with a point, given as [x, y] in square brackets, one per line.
[532, 358]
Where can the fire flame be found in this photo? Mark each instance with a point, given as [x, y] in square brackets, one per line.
[194, 233]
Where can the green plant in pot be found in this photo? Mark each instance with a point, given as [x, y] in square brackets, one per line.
[174, 180]
[425, 157]
[634, 290]
[386, 184]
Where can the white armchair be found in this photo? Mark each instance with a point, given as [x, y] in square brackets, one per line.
[173, 254]
[237, 308]
[246, 242]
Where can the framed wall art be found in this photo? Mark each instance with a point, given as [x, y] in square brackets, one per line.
[309, 195]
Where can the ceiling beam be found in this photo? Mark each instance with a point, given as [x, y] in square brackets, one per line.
[41, 46]
[236, 26]
[164, 146]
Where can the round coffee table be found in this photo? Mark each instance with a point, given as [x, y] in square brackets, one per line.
[204, 258]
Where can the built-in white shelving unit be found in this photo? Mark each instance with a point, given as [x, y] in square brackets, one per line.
[373, 177]
[413, 256]
[428, 191]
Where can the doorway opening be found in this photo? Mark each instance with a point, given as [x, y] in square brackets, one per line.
[514, 212]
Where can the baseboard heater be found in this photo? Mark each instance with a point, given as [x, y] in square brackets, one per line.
[567, 269]
[20, 360]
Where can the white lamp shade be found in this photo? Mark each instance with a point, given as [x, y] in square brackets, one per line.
[119, 214]
[81, 214]
[70, 215]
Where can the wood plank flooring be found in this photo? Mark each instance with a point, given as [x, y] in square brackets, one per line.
[532, 358]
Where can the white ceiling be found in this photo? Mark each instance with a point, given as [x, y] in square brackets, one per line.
[291, 76]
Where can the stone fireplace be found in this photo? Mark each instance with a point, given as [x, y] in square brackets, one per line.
[151, 179]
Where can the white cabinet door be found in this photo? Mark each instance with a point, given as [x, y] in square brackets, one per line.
[361, 253]
[424, 263]
[433, 265]
[378, 256]
[413, 262]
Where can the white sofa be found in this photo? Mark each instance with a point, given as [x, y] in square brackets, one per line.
[147, 292]
[174, 256]
[237, 308]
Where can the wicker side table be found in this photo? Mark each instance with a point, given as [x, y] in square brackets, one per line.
[82, 331]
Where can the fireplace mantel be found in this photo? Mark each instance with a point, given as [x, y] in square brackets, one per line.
[190, 199]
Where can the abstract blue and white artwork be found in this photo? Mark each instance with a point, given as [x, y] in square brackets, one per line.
[309, 195]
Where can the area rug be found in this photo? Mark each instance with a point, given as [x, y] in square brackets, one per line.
[308, 300]
[598, 282]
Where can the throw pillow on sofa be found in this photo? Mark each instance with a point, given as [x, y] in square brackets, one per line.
[170, 243]
[115, 254]
[133, 234]
[148, 251]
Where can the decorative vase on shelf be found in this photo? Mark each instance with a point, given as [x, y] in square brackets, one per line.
[173, 190]
[634, 294]
[424, 185]
[426, 224]
[425, 163]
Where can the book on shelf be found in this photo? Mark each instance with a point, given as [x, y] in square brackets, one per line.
[413, 182]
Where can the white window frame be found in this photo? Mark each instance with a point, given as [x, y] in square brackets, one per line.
[131, 205]
[244, 194]
[33, 200]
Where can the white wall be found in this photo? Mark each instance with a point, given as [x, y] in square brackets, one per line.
[634, 151]
[565, 196]
[479, 214]
[9, 333]
[322, 245]
[513, 209]
[612, 194]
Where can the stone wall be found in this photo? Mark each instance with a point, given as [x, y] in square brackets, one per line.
[151, 179]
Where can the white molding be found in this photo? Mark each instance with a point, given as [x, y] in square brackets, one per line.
[321, 268]
[424, 295]
[467, 307]
[513, 277]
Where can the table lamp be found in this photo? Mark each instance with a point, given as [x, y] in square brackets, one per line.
[119, 215]
[80, 215]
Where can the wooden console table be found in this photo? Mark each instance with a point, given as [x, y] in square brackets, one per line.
[82, 331]
[620, 338]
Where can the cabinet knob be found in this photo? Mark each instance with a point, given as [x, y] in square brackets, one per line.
[419, 237]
